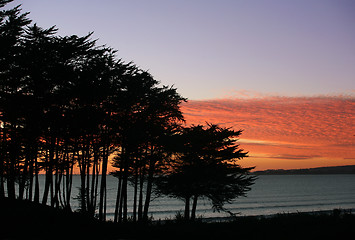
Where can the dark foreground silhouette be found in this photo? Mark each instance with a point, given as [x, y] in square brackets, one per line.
[27, 220]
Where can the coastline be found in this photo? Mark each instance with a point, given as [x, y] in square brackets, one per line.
[267, 216]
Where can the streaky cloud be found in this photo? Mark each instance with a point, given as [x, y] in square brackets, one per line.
[302, 126]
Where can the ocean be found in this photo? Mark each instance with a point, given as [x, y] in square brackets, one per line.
[271, 194]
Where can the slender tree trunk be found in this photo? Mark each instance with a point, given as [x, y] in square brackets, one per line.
[31, 170]
[48, 188]
[87, 190]
[118, 196]
[3, 145]
[2, 153]
[58, 174]
[11, 164]
[92, 190]
[102, 214]
[2, 178]
[123, 204]
[97, 169]
[82, 167]
[58, 180]
[63, 193]
[149, 189]
[2, 187]
[125, 189]
[11, 192]
[46, 185]
[10, 181]
[135, 194]
[94, 177]
[105, 199]
[23, 176]
[69, 181]
[187, 208]
[194, 206]
[36, 195]
[140, 201]
[122, 211]
[82, 193]
[52, 164]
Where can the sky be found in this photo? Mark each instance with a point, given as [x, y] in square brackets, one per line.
[284, 71]
[285, 132]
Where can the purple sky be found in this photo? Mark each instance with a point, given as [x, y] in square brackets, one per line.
[214, 49]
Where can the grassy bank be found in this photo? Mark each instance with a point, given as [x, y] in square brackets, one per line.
[26, 220]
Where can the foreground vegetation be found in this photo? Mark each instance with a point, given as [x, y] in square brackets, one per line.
[38, 221]
[67, 104]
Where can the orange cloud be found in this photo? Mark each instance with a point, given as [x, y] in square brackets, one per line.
[285, 132]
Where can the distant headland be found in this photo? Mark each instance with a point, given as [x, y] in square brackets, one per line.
[348, 169]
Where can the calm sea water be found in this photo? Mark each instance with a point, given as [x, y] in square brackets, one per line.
[270, 194]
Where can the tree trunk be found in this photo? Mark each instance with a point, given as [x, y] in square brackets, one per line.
[68, 182]
[36, 194]
[47, 182]
[194, 205]
[140, 202]
[96, 183]
[82, 168]
[82, 191]
[118, 196]
[102, 214]
[2, 178]
[23, 176]
[92, 190]
[87, 190]
[187, 208]
[52, 164]
[2, 187]
[149, 189]
[31, 170]
[135, 194]
[11, 165]
[125, 205]
[2, 160]
[94, 180]
[49, 178]
[10, 181]
[57, 183]
[121, 202]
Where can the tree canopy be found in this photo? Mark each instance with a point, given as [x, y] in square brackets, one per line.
[205, 166]
[68, 104]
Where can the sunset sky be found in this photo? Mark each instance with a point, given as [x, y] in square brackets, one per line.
[283, 71]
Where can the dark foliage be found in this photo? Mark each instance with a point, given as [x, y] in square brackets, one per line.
[205, 165]
[65, 104]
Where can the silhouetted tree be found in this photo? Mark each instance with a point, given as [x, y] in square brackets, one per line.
[67, 103]
[145, 112]
[205, 166]
[12, 25]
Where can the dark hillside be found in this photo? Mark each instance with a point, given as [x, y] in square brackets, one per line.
[26, 220]
[350, 169]
[21, 219]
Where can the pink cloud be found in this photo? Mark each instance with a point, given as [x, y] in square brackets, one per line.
[297, 126]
